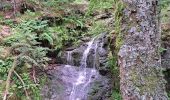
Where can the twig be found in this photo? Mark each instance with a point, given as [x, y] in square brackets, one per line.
[10, 74]
[34, 78]
[9, 78]
[26, 93]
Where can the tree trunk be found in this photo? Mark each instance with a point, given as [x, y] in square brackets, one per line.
[139, 57]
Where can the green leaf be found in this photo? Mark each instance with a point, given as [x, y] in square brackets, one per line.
[46, 36]
[162, 50]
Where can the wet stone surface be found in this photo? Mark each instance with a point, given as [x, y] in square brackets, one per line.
[63, 78]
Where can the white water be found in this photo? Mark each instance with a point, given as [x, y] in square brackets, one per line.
[84, 78]
[85, 54]
[69, 57]
[79, 79]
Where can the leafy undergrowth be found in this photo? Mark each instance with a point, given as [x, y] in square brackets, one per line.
[116, 95]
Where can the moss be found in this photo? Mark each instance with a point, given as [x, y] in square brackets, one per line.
[146, 83]
[95, 5]
[116, 95]
[150, 86]
[119, 41]
[118, 20]
[29, 15]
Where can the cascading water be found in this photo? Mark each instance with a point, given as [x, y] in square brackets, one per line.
[85, 54]
[80, 86]
[79, 76]
[69, 57]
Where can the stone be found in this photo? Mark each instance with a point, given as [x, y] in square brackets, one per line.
[62, 77]
[101, 53]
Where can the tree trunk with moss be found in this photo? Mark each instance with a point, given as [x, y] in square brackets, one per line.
[139, 57]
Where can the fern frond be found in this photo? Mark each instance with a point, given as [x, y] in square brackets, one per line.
[46, 36]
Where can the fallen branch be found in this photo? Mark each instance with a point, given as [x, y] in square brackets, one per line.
[9, 78]
[26, 93]
[10, 74]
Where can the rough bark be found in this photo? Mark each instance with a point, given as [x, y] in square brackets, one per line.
[139, 58]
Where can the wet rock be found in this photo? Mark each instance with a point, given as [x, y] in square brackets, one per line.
[76, 55]
[62, 78]
[166, 58]
[101, 89]
[90, 57]
[85, 39]
[97, 54]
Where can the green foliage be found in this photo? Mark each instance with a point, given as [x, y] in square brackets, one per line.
[56, 4]
[116, 95]
[164, 3]
[29, 85]
[27, 43]
[29, 26]
[169, 95]
[98, 28]
[118, 18]
[53, 3]
[26, 46]
[5, 65]
[26, 40]
[112, 63]
[29, 15]
[165, 14]
[75, 20]
[33, 38]
[78, 1]
[5, 6]
[55, 36]
[162, 50]
[99, 5]
[8, 22]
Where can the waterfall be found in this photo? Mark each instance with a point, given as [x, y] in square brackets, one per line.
[85, 54]
[69, 57]
[79, 75]
[79, 87]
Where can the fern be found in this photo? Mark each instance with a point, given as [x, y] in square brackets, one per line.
[25, 49]
[164, 3]
[48, 37]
